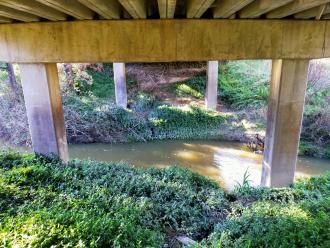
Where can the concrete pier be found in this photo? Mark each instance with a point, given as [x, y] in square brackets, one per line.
[284, 119]
[120, 84]
[211, 94]
[44, 109]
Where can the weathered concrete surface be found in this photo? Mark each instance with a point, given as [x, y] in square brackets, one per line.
[163, 40]
[44, 109]
[285, 111]
[119, 73]
[211, 94]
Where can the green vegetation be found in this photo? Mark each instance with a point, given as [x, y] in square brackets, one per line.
[189, 122]
[44, 203]
[96, 80]
[244, 84]
[92, 116]
[244, 87]
[288, 217]
[194, 87]
[87, 204]
[91, 119]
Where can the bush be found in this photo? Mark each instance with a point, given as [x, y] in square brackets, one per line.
[13, 119]
[275, 225]
[143, 103]
[96, 80]
[308, 149]
[298, 216]
[45, 203]
[95, 120]
[185, 122]
[194, 87]
[244, 84]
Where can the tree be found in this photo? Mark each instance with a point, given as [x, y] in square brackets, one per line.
[69, 75]
[11, 78]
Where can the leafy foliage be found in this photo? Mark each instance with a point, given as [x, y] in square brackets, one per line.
[273, 225]
[186, 122]
[95, 120]
[244, 84]
[289, 217]
[46, 203]
[97, 81]
[194, 87]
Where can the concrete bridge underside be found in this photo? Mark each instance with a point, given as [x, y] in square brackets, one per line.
[39, 34]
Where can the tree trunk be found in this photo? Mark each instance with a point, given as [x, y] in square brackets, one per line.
[11, 78]
[69, 75]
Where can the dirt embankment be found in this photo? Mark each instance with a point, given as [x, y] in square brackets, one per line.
[151, 76]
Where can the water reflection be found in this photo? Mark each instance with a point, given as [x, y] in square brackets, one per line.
[225, 162]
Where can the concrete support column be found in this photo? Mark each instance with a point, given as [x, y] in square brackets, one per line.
[211, 94]
[44, 109]
[285, 111]
[120, 84]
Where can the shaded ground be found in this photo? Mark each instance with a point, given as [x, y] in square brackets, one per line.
[152, 77]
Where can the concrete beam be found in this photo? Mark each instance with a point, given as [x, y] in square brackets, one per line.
[196, 8]
[166, 8]
[294, 7]
[18, 15]
[163, 40]
[315, 12]
[5, 20]
[119, 74]
[136, 8]
[285, 112]
[321, 12]
[108, 9]
[227, 8]
[72, 8]
[211, 94]
[35, 8]
[260, 7]
[44, 109]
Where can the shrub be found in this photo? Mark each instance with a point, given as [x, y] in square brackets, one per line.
[194, 87]
[297, 216]
[96, 80]
[244, 84]
[143, 103]
[185, 122]
[308, 149]
[95, 120]
[274, 225]
[45, 203]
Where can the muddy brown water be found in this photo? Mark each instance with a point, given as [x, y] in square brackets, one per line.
[225, 162]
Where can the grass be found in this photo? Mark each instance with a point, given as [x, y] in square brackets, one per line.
[44, 203]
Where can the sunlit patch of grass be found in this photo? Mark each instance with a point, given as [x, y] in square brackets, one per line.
[186, 90]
